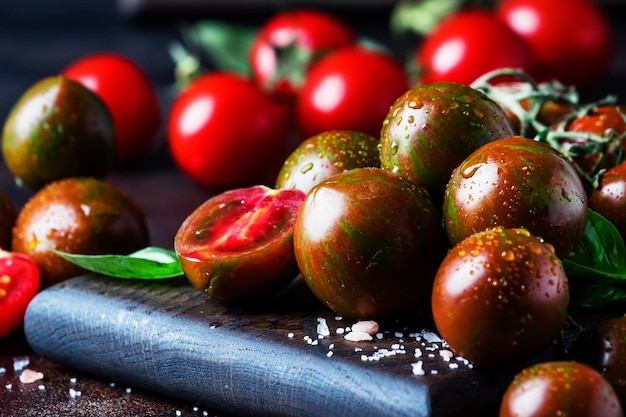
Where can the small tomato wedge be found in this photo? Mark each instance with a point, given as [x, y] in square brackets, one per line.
[19, 283]
[238, 245]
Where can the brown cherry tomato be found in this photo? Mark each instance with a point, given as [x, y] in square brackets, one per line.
[500, 297]
[560, 388]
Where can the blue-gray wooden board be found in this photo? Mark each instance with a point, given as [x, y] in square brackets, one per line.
[270, 359]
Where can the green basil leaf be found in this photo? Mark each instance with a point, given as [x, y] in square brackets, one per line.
[588, 294]
[147, 263]
[600, 254]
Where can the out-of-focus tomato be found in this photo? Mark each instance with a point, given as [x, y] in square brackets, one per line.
[19, 283]
[468, 44]
[350, 89]
[126, 90]
[289, 42]
[571, 39]
[224, 131]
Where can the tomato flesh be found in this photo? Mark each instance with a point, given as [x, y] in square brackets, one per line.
[238, 245]
[19, 283]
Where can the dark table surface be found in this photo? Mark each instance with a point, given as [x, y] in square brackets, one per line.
[37, 39]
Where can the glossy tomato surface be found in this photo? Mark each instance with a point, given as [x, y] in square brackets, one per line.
[517, 182]
[19, 283]
[571, 40]
[350, 89]
[609, 197]
[80, 215]
[130, 96]
[468, 44]
[430, 129]
[326, 154]
[500, 297]
[368, 243]
[238, 245]
[603, 347]
[560, 388]
[223, 131]
[289, 42]
[58, 129]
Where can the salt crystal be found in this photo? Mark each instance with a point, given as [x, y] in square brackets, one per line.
[179, 413]
[340, 330]
[329, 353]
[358, 336]
[20, 362]
[446, 354]
[3, 370]
[366, 326]
[74, 393]
[8, 387]
[338, 318]
[41, 387]
[290, 335]
[322, 327]
[431, 337]
[379, 336]
[72, 380]
[418, 368]
[128, 390]
[28, 376]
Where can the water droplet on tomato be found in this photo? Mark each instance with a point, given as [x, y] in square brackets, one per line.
[415, 104]
[508, 255]
[306, 168]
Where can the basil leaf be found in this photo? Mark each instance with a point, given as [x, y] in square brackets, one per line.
[147, 263]
[600, 254]
[596, 267]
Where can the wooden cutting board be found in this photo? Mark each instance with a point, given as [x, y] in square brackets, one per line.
[270, 359]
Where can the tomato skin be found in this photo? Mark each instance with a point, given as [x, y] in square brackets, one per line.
[326, 154]
[468, 44]
[570, 39]
[224, 132]
[238, 245]
[500, 297]
[517, 182]
[128, 93]
[19, 283]
[313, 33]
[556, 388]
[609, 197]
[603, 347]
[350, 89]
[430, 129]
[367, 243]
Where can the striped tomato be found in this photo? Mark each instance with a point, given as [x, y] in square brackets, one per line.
[429, 130]
[368, 243]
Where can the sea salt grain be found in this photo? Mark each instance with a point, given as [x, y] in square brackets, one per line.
[418, 368]
[28, 376]
[366, 326]
[20, 362]
[358, 336]
[74, 393]
[322, 327]
[3, 370]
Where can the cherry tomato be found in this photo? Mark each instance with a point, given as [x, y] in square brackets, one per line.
[500, 297]
[560, 388]
[126, 90]
[289, 42]
[468, 44]
[603, 347]
[570, 39]
[517, 182]
[19, 283]
[238, 245]
[609, 197]
[350, 89]
[223, 131]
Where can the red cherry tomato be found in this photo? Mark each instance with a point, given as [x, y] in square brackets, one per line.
[304, 36]
[125, 88]
[350, 89]
[468, 44]
[223, 131]
[19, 283]
[571, 39]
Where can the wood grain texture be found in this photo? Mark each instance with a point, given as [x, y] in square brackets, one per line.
[261, 360]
